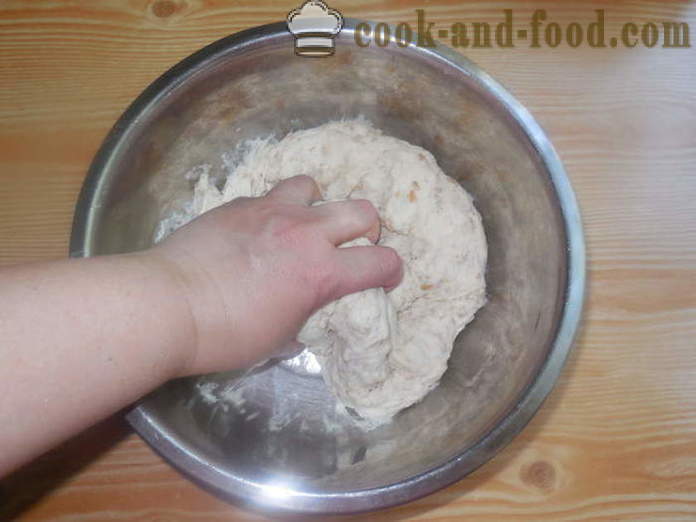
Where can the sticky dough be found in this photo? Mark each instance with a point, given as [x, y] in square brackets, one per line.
[379, 352]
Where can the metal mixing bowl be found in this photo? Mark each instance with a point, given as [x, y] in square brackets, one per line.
[283, 445]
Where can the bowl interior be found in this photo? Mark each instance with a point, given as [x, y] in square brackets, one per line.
[284, 429]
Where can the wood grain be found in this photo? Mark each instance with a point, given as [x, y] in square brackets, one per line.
[617, 438]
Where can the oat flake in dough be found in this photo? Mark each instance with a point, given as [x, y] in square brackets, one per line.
[379, 352]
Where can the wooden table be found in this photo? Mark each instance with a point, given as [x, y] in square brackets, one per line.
[615, 440]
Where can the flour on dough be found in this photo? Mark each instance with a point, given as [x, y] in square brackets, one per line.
[379, 352]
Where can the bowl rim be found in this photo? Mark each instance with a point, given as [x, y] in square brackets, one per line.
[237, 489]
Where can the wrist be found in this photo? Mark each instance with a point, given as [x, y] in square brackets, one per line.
[172, 298]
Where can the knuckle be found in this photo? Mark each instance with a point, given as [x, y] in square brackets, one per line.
[325, 280]
[322, 278]
[283, 227]
[360, 213]
[366, 210]
[288, 234]
[304, 178]
[305, 181]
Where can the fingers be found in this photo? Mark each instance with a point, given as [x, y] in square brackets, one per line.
[343, 221]
[366, 267]
[301, 190]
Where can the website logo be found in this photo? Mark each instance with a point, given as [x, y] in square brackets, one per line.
[314, 26]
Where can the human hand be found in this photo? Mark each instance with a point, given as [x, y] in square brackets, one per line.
[252, 271]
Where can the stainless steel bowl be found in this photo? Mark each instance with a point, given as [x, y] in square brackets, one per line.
[283, 446]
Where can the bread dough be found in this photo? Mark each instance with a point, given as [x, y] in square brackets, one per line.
[379, 352]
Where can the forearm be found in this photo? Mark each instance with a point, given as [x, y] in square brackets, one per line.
[80, 339]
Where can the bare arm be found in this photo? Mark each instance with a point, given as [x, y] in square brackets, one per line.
[80, 339]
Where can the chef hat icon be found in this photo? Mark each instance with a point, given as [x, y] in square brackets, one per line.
[314, 26]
